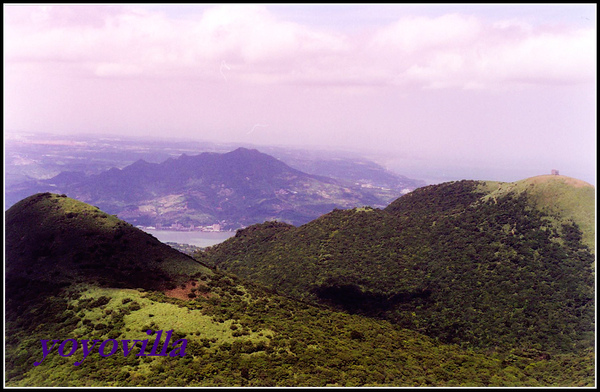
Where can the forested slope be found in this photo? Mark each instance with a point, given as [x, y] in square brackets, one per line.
[445, 260]
[241, 334]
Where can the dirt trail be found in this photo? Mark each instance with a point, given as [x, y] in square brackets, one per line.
[182, 293]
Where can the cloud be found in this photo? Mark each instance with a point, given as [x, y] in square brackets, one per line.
[447, 51]
[418, 34]
[254, 35]
[464, 52]
[116, 69]
[561, 57]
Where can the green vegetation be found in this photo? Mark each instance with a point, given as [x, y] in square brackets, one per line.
[185, 248]
[459, 291]
[564, 198]
[446, 260]
[53, 238]
[251, 337]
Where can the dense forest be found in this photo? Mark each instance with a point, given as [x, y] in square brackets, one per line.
[443, 261]
[241, 335]
[446, 287]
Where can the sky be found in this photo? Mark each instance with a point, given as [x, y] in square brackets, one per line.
[438, 92]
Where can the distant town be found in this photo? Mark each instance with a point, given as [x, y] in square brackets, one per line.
[216, 227]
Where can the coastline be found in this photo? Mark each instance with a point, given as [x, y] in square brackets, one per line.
[195, 237]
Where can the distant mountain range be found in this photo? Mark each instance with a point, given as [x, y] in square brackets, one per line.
[233, 189]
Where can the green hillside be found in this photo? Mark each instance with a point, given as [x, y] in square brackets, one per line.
[565, 198]
[53, 238]
[453, 261]
[237, 332]
[242, 335]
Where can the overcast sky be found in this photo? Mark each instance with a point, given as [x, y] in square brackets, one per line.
[492, 92]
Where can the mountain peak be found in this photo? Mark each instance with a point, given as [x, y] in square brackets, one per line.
[140, 162]
[245, 151]
[67, 177]
[252, 161]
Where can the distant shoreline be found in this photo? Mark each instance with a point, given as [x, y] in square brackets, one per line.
[195, 237]
[150, 228]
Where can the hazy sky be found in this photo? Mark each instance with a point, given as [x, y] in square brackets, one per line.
[498, 92]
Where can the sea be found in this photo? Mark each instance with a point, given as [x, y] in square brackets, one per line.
[197, 238]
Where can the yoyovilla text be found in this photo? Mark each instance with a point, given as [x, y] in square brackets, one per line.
[109, 347]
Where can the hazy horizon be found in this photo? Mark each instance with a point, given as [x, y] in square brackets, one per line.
[491, 92]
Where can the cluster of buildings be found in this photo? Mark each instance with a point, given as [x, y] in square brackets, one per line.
[179, 227]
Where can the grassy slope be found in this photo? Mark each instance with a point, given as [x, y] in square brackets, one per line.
[561, 196]
[245, 336]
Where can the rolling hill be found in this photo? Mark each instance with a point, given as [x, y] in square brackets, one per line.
[474, 263]
[567, 198]
[76, 274]
[53, 240]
